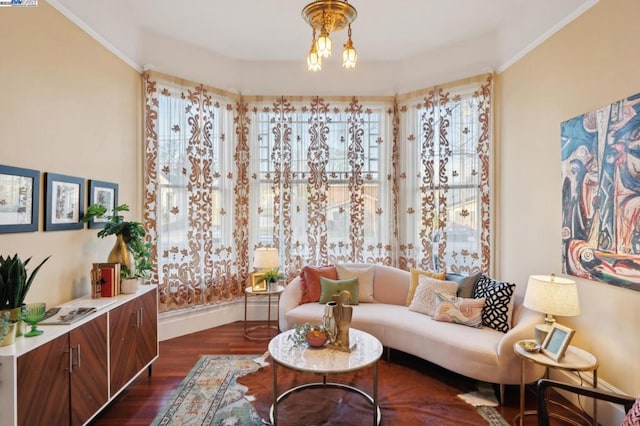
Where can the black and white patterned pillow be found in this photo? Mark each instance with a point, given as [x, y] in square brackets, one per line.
[498, 305]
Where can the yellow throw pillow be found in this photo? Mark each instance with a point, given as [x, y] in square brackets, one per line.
[413, 283]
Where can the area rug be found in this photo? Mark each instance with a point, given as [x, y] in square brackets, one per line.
[233, 390]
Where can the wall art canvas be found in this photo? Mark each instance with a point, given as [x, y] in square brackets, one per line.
[19, 196]
[601, 194]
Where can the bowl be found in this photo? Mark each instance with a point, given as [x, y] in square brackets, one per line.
[316, 338]
[529, 346]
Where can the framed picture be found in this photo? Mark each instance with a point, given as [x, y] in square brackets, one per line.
[557, 341]
[105, 194]
[64, 202]
[19, 199]
[258, 281]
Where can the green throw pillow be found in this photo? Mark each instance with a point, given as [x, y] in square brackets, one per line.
[329, 287]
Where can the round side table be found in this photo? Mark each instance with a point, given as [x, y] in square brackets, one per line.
[274, 292]
[575, 359]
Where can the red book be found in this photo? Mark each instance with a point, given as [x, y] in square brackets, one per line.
[110, 274]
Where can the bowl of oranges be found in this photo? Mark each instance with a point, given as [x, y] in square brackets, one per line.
[317, 338]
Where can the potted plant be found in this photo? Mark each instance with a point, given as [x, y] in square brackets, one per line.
[272, 276]
[131, 250]
[15, 282]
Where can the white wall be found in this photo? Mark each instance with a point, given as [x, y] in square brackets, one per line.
[67, 106]
[588, 64]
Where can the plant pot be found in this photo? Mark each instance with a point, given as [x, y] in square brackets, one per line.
[120, 253]
[10, 337]
[129, 285]
[15, 317]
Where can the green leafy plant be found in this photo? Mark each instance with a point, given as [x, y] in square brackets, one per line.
[299, 335]
[133, 234]
[15, 281]
[272, 275]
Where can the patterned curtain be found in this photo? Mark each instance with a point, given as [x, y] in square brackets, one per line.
[399, 181]
[443, 143]
[189, 194]
[322, 181]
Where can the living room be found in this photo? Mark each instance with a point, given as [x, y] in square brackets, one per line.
[63, 90]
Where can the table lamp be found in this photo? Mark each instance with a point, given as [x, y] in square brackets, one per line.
[266, 260]
[551, 296]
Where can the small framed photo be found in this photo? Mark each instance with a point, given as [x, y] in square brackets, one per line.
[557, 342]
[258, 281]
[19, 199]
[105, 194]
[64, 202]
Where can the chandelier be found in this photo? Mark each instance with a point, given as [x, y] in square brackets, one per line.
[325, 17]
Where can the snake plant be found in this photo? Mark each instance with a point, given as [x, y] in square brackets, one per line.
[15, 280]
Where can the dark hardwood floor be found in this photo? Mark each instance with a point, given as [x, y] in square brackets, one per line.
[141, 401]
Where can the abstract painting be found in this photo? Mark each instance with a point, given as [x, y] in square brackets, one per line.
[601, 194]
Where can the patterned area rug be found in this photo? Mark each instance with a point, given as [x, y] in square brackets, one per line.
[210, 394]
[233, 390]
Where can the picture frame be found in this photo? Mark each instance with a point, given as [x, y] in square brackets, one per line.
[105, 194]
[64, 206]
[19, 199]
[258, 281]
[557, 341]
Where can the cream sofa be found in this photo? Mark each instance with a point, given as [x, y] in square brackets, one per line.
[479, 353]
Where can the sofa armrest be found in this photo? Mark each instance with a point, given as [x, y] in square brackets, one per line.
[289, 299]
[522, 329]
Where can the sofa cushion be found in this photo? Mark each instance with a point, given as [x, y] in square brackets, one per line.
[413, 281]
[466, 283]
[498, 306]
[330, 287]
[424, 299]
[458, 310]
[364, 274]
[310, 281]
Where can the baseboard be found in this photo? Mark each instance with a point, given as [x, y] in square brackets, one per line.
[608, 414]
[186, 321]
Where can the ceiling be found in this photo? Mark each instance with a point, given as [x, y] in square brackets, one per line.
[273, 31]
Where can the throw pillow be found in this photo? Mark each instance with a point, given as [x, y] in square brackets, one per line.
[310, 281]
[364, 274]
[458, 310]
[498, 305]
[413, 280]
[424, 299]
[466, 283]
[330, 287]
[633, 416]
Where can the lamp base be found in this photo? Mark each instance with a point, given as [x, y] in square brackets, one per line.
[541, 332]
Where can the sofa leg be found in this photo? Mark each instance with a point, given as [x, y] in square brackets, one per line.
[388, 354]
[501, 393]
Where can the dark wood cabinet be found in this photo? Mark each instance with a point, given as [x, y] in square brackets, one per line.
[62, 377]
[65, 381]
[133, 333]
[43, 384]
[89, 380]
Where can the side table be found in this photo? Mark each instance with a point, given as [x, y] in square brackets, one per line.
[270, 292]
[575, 359]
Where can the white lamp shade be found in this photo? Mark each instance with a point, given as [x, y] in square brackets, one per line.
[552, 295]
[266, 258]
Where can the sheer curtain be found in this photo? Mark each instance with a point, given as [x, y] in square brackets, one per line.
[321, 180]
[189, 201]
[443, 143]
[399, 181]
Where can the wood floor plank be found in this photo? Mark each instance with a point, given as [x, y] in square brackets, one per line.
[141, 401]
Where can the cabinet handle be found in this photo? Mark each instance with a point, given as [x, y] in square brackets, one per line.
[70, 359]
[71, 364]
[139, 317]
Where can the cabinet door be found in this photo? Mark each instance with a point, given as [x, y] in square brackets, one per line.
[148, 330]
[123, 330]
[89, 385]
[43, 384]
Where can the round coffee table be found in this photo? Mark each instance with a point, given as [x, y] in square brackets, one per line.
[324, 361]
